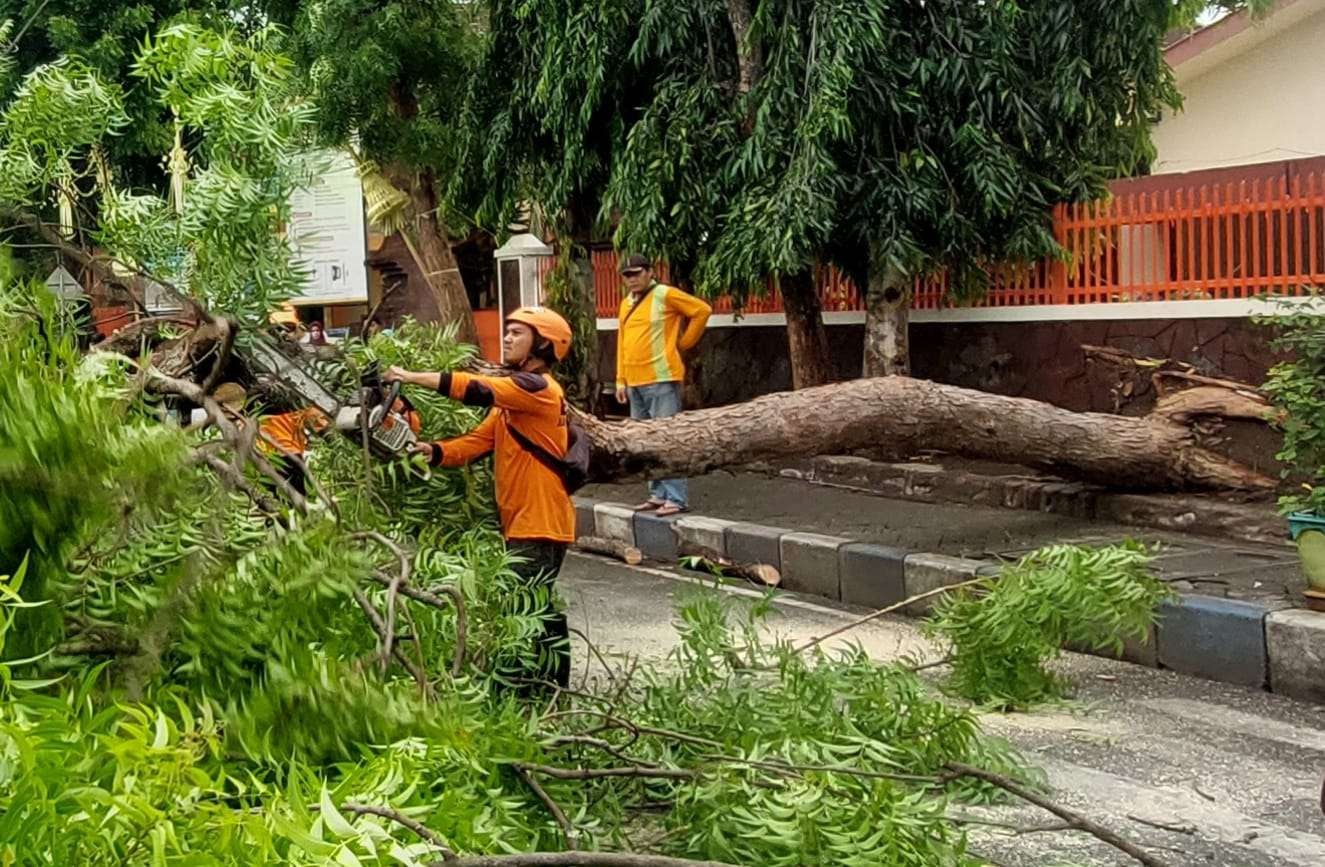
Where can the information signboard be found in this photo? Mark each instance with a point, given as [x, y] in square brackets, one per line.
[327, 231]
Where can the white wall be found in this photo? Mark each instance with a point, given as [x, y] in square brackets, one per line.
[1262, 104]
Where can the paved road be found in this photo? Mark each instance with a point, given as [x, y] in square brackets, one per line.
[1237, 772]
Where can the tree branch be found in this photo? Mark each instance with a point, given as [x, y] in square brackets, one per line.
[393, 588]
[577, 859]
[1076, 820]
[567, 829]
[457, 602]
[399, 818]
[896, 606]
[376, 620]
[603, 773]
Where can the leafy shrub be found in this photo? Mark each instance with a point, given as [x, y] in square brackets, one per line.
[1004, 630]
[1296, 387]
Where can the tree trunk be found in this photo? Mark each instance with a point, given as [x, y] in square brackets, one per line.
[431, 244]
[437, 259]
[749, 57]
[887, 325]
[811, 363]
[1154, 452]
[1137, 453]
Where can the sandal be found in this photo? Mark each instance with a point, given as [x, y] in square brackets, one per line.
[650, 506]
[669, 509]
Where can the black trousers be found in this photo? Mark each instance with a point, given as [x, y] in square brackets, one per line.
[294, 474]
[541, 561]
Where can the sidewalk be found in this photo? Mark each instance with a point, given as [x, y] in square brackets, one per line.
[1238, 617]
[1232, 569]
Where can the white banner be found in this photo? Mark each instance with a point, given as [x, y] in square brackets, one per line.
[327, 231]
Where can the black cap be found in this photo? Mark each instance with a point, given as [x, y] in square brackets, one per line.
[635, 263]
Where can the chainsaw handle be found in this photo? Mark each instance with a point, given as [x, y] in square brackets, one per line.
[392, 393]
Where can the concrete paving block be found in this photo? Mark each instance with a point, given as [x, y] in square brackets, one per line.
[586, 524]
[872, 575]
[614, 521]
[809, 564]
[1218, 639]
[1295, 643]
[755, 543]
[656, 537]
[697, 534]
[926, 572]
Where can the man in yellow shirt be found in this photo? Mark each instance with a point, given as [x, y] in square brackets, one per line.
[657, 323]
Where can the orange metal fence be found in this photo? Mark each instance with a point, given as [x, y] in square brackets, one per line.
[1185, 242]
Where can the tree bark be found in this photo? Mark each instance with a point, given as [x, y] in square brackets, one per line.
[437, 259]
[431, 244]
[1151, 453]
[749, 57]
[887, 324]
[807, 340]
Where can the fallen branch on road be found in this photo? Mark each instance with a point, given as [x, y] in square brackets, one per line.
[1075, 820]
[896, 606]
[577, 859]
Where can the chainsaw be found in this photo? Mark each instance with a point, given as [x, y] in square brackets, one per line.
[389, 433]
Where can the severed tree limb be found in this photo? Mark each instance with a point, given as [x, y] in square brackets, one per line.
[1208, 400]
[577, 859]
[896, 606]
[457, 603]
[1116, 451]
[380, 627]
[760, 574]
[610, 548]
[1076, 820]
[400, 818]
[568, 831]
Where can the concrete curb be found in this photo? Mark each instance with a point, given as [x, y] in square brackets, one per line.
[1263, 645]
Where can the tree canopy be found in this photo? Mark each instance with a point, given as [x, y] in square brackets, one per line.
[742, 140]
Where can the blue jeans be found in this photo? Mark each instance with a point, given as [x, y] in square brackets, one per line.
[660, 400]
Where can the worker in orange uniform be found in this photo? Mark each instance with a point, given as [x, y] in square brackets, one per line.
[649, 368]
[286, 436]
[537, 517]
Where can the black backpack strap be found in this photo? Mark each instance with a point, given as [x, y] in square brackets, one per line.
[541, 454]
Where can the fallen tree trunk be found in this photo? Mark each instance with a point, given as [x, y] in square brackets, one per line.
[1151, 453]
[1156, 452]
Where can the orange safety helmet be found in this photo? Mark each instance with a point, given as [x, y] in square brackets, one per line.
[548, 325]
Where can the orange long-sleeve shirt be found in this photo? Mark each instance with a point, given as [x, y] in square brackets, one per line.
[531, 499]
[288, 431]
[650, 339]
